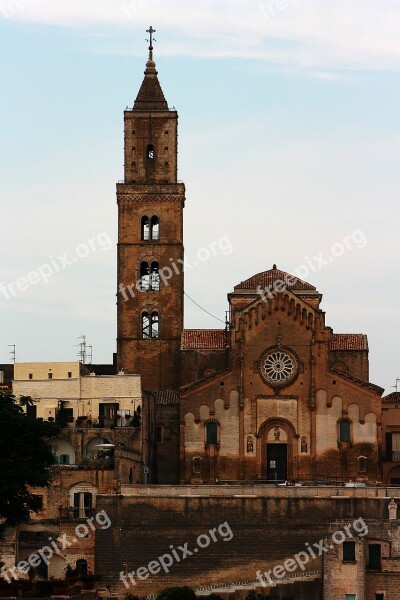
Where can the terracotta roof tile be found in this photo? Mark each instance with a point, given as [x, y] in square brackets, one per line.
[268, 278]
[166, 396]
[348, 341]
[203, 339]
[393, 397]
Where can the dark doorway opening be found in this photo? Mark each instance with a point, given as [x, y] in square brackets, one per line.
[276, 462]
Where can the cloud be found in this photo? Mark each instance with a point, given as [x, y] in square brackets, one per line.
[362, 34]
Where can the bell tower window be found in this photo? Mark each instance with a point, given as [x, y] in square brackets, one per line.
[144, 276]
[150, 277]
[155, 228]
[145, 228]
[150, 323]
[155, 277]
[150, 152]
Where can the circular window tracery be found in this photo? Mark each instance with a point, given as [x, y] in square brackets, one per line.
[278, 366]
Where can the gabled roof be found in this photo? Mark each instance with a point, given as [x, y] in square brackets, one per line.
[367, 384]
[348, 341]
[269, 278]
[203, 339]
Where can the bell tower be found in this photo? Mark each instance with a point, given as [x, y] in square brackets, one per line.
[150, 240]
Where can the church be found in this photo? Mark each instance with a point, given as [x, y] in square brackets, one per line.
[275, 395]
[191, 431]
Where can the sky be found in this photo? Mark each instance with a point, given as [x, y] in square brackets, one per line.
[289, 122]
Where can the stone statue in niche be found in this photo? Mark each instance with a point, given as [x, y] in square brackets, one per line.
[249, 445]
[277, 433]
[196, 465]
[303, 445]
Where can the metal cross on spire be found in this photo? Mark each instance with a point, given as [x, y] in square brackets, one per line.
[150, 31]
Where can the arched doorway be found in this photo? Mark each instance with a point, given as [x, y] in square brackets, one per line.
[276, 451]
[81, 567]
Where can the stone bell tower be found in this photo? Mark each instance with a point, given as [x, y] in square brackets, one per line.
[150, 240]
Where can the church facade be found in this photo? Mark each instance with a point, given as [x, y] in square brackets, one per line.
[274, 396]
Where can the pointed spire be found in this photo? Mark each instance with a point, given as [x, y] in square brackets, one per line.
[150, 96]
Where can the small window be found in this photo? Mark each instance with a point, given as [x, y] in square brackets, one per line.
[155, 228]
[211, 433]
[150, 152]
[69, 374]
[82, 505]
[351, 597]
[155, 277]
[150, 323]
[63, 459]
[344, 430]
[144, 276]
[50, 375]
[154, 325]
[374, 557]
[380, 596]
[145, 228]
[30, 375]
[349, 551]
[39, 501]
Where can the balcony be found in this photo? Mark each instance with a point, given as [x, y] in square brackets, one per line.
[103, 422]
[76, 514]
[391, 456]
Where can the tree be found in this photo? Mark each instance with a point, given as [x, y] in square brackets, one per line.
[177, 593]
[25, 459]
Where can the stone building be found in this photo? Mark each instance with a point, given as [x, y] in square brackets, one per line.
[225, 414]
[391, 438]
[277, 394]
[289, 399]
[101, 446]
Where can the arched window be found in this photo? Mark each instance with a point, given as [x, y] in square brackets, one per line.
[211, 433]
[155, 277]
[83, 505]
[145, 228]
[144, 276]
[150, 325]
[150, 152]
[155, 228]
[145, 325]
[344, 430]
[154, 325]
[81, 567]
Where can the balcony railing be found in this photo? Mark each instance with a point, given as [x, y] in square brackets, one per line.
[76, 514]
[101, 423]
[395, 456]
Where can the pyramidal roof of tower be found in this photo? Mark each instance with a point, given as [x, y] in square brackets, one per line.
[150, 96]
[270, 277]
